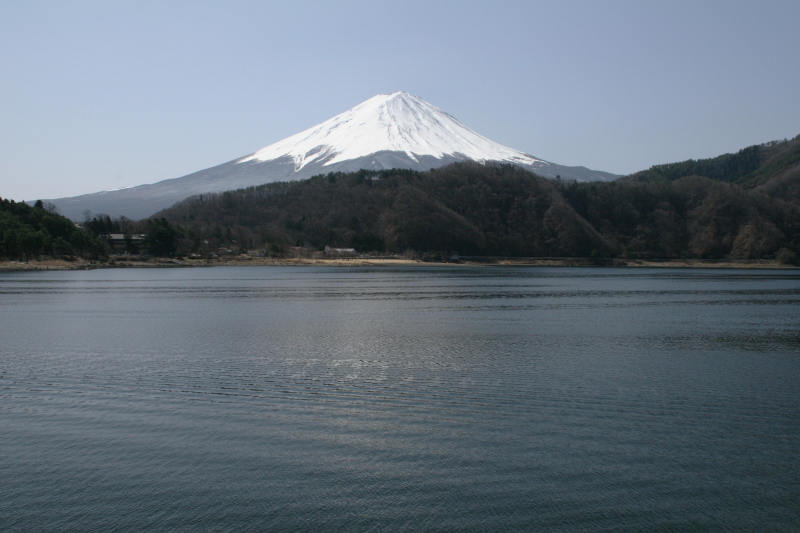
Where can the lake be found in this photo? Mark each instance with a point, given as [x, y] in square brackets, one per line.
[414, 398]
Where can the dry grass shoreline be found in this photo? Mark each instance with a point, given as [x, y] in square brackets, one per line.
[60, 264]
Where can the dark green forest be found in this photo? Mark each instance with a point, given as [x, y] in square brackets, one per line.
[27, 232]
[34, 232]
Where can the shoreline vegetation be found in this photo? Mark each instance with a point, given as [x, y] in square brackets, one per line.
[158, 262]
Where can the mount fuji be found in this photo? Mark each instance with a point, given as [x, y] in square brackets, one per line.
[397, 130]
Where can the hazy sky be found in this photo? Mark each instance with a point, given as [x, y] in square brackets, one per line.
[109, 94]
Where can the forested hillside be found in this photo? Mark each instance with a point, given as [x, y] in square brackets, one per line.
[497, 210]
[28, 232]
[772, 167]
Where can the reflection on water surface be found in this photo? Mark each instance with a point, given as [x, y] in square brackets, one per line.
[400, 398]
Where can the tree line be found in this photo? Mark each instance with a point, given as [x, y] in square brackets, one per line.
[32, 232]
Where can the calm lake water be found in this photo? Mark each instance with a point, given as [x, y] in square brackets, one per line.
[419, 399]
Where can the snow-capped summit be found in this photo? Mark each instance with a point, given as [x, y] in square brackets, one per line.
[397, 122]
[396, 130]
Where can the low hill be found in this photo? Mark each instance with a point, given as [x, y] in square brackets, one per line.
[31, 231]
[497, 210]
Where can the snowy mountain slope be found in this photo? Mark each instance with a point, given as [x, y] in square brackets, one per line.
[397, 122]
[395, 130]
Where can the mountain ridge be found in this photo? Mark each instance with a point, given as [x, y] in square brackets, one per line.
[759, 166]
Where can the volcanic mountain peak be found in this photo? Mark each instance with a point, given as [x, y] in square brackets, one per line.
[397, 130]
[397, 122]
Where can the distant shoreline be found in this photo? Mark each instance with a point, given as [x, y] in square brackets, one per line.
[60, 264]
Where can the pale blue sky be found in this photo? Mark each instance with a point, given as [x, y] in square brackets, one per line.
[108, 94]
